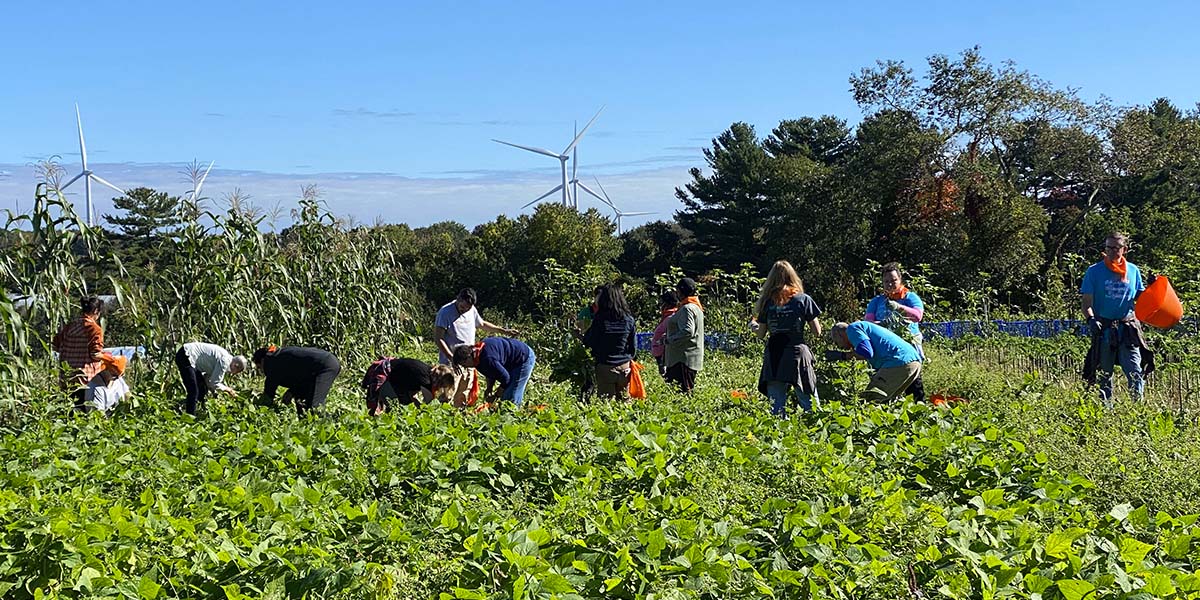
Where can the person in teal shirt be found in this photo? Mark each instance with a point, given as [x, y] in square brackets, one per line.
[1108, 292]
[896, 362]
[900, 310]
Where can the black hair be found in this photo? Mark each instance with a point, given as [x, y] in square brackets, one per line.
[462, 353]
[891, 266]
[669, 298]
[90, 305]
[259, 355]
[467, 294]
[611, 303]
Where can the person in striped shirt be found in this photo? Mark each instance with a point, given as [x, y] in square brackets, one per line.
[80, 344]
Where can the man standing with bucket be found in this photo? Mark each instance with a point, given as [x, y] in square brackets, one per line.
[1109, 290]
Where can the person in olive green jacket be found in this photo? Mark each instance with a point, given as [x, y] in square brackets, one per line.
[685, 338]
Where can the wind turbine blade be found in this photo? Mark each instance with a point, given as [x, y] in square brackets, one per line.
[529, 148]
[100, 179]
[200, 184]
[635, 214]
[579, 136]
[539, 198]
[594, 194]
[73, 180]
[605, 192]
[82, 147]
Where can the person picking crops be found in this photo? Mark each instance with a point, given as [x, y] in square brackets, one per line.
[612, 340]
[896, 362]
[80, 344]
[1109, 290]
[203, 367]
[900, 310]
[782, 311]
[108, 387]
[456, 323]
[502, 361]
[307, 373]
[685, 338]
[407, 381]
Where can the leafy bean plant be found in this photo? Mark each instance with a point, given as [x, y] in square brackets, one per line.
[701, 497]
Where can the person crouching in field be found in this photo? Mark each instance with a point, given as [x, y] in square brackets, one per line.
[80, 344]
[203, 367]
[782, 311]
[502, 360]
[612, 339]
[685, 338]
[307, 373]
[896, 362]
[668, 306]
[407, 381]
[900, 310]
[108, 387]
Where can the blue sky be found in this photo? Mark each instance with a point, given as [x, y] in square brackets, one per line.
[389, 107]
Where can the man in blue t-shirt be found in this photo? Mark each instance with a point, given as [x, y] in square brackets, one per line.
[896, 362]
[1109, 290]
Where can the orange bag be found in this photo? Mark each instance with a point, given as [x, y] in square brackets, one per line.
[1159, 305]
[637, 389]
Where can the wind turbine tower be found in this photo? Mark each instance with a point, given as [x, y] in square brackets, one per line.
[87, 174]
[563, 157]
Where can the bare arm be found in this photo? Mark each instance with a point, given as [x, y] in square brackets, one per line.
[1086, 301]
[492, 327]
[439, 335]
[815, 324]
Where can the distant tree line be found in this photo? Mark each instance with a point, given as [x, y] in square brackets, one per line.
[983, 180]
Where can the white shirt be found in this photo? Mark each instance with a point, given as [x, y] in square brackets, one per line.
[211, 360]
[106, 397]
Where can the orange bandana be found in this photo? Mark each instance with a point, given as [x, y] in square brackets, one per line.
[900, 293]
[784, 294]
[1117, 266]
[692, 300]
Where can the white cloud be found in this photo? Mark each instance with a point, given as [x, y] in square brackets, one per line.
[469, 198]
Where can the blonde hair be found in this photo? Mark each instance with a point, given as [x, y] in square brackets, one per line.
[780, 276]
[443, 380]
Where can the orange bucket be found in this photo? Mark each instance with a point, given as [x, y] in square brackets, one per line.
[1159, 305]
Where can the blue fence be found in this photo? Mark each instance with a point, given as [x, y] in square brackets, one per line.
[1040, 328]
[1035, 328]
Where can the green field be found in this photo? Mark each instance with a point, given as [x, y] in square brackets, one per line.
[1029, 491]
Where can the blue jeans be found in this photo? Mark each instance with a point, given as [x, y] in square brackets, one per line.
[778, 392]
[1130, 359]
[516, 387]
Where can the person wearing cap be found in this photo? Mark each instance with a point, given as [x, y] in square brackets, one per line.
[407, 381]
[203, 368]
[896, 362]
[684, 355]
[456, 323]
[502, 360]
[307, 373]
[80, 344]
[108, 387]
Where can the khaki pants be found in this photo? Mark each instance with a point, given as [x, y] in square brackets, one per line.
[888, 384]
[613, 380]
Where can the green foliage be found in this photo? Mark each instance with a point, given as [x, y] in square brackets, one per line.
[693, 497]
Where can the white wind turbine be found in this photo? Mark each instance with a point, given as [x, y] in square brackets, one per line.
[562, 157]
[608, 201]
[87, 174]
